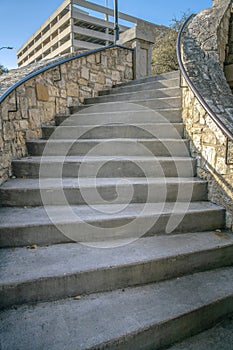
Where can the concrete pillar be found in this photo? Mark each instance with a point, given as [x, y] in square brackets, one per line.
[71, 26]
[141, 38]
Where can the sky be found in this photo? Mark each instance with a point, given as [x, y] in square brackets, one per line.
[19, 19]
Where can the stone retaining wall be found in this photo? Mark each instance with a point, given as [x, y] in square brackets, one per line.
[204, 48]
[38, 100]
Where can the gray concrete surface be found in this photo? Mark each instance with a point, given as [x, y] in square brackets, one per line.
[104, 147]
[27, 192]
[54, 272]
[146, 317]
[25, 226]
[219, 337]
[159, 84]
[115, 130]
[107, 166]
[133, 96]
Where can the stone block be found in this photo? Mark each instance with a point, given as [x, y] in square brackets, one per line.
[100, 78]
[72, 89]
[42, 92]
[23, 124]
[91, 58]
[8, 131]
[52, 91]
[116, 76]
[85, 73]
[34, 118]
[98, 57]
[31, 97]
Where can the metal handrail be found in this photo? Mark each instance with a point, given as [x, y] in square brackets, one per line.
[205, 105]
[55, 64]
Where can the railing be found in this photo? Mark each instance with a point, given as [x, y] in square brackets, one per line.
[214, 117]
[56, 64]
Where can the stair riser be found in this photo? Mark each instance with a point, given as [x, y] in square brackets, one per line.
[161, 131]
[174, 102]
[136, 117]
[154, 78]
[49, 234]
[166, 334]
[132, 96]
[118, 108]
[172, 83]
[108, 148]
[154, 103]
[121, 168]
[107, 279]
[74, 196]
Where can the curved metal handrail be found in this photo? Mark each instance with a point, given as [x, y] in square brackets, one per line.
[55, 64]
[213, 116]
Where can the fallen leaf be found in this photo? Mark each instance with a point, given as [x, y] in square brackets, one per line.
[33, 246]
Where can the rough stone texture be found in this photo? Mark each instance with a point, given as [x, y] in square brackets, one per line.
[38, 100]
[204, 55]
[14, 75]
[141, 38]
[228, 67]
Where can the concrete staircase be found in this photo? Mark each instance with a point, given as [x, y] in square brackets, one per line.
[116, 174]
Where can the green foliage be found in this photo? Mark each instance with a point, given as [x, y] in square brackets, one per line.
[164, 51]
[3, 69]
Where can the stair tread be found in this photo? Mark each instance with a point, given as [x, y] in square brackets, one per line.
[139, 109]
[36, 159]
[136, 140]
[159, 77]
[23, 264]
[111, 317]
[21, 184]
[138, 101]
[219, 337]
[115, 124]
[31, 216]
[162, 89]
[142, 85]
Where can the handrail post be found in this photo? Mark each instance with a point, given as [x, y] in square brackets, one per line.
[116, 22]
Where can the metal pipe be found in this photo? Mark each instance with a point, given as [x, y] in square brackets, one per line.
[116, 24]
[56, 64]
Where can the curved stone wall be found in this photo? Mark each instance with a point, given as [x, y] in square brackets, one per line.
[14, 75]
[204, 50]
[38, 100]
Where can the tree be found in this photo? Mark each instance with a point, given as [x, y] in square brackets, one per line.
[164, 51]
[3, 69]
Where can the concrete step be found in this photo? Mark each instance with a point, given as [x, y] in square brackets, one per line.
[145, 317]
[104, 166]
[128, 117]
[66, 270]
[114, 107]
[133, 96]
[157, 84]
[27, 192]
[219, 337]
[152, 103]
[152, 78]
[107, 147]
[95, 224]
[108, 131]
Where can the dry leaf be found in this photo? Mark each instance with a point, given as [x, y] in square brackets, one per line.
[33, 246]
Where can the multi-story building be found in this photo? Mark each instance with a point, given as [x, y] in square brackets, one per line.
[71, 28]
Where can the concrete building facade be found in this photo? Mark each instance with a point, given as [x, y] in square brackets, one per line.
[71, 28]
